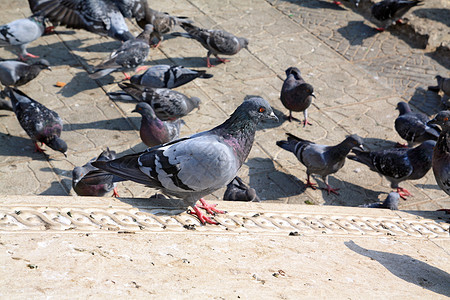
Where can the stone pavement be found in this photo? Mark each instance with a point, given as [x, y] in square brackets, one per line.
[358, 75]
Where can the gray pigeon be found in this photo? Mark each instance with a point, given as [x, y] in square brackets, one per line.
[165, 76]
[441, 153]
[153, 131]
[398, 164]
[237, 190]
[320, 159]
[167, 104]
[387, 12]
[193, 167]
[104, 17]
[90, 181]
[296, 94]
[16, 73]
[162, 22]
[215, 41]
[41, 124]
[413, 127]
[391, 202]
[5, 105]
[129, 56]
[19, 33]
[443, 84]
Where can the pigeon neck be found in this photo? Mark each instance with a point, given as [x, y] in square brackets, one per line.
[403, 108]
[341, 150]
[443, 142]
[238, 132]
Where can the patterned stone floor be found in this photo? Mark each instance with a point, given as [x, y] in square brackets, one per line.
[358, 76]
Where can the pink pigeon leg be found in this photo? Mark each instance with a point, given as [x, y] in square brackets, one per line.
[403, 193]
[310, 184]
[202, 218]
[141, 68]
[37, 148]
[115, 193]
[329, 189]
[210, 208]
[222, 60]
[127, 77]
[337, 2]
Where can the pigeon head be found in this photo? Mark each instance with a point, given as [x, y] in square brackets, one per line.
[243, 42]
[427, 147]
[43, 64]
[107, 155]
[145, 35]
[355, 141]
[391, 201]
[77, 175]
[295, 71]
[257, 109]
[442, 119]
[145, 110]
[195, 102]
[307, 89]
[403, 108]
[58, 144]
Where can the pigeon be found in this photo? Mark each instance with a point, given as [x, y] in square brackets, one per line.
[162, 22]
[40, 123]
[16, 73]
[387, 12]
[167, 104]
[195, 166]
[19, 33]
[129, 56]
[296, 94]
[391, 202]
[165, 76]
[441, 153]
[444, 85]
[90, 181]
[237, 190]
[153, 131]
[104, 17]
[5, 105]
[398, 164]
[413, 127]
[215, 41]
[320, 159]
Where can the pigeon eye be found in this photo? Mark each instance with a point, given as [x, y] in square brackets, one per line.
[262, 109]
[445, 119]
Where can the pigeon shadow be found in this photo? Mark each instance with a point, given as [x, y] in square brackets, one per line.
[426, 101]
[437, 14]
[111, 124]
[270, 183]
[356, 32]
[60, 172]
[441, 55]
[376, 144]
[314, 4]
[437, 216]
[79, 83]
[57, 188]
[18, 146]
[408, 268]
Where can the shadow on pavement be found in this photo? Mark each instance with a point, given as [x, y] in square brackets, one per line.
[408, 268]
[356, 32]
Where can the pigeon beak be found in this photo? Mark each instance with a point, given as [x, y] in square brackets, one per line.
[272, 116]
[65, 154]
[48, 68]
[312, 94]
[361, 147]
[134, 110]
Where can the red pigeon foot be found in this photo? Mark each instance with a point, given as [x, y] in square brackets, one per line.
[38, 149]
[403, 193]
[210, 208]
[202, 218]
[337, 2]
[329, 189]
[310, 184]
[380, 29]
[115, 193]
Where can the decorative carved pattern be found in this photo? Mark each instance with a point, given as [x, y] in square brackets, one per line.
[136, 220]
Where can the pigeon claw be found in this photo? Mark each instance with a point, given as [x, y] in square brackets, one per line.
[403, 193]
[38, 149]
[311, 185]
[400, 21]
[127, 77]
[337, 2]
[305, 122]
[222, 60]
[141, 68]
[210, 208]
[31, 55]
[115, 193]
[202, 218]
[399, 145]
[380, 29]
[329, 189]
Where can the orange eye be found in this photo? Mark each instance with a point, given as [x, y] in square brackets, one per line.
[445, 119]
[262, 109]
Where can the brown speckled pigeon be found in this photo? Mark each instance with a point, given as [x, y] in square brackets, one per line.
[195, 166]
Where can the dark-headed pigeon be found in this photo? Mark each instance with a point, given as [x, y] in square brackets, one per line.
[153, 131]
[413, 127]
[320, 159]
[391, 202]
[167, 104]
[237, 190]
[193, 167]
[16, 73]
[129, 56]
[443, 84]
[398, 164]
[296, 94]
[41, 124]
[104, 17]
[215, 41]
[90, 181]
[165, 76]
[387, 12]
[441, 153]
[19, 33]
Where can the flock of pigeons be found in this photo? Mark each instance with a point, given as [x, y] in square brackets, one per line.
[192, 167]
